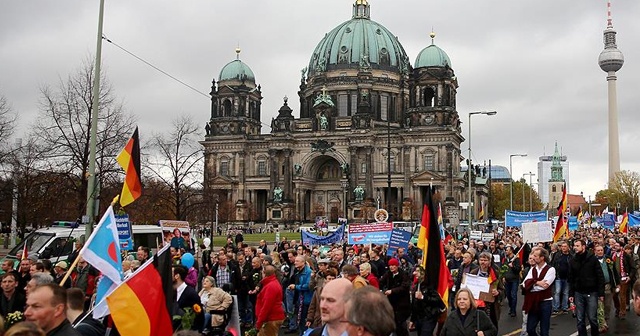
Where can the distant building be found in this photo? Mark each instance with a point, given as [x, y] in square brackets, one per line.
[544, 173]
[371, 130]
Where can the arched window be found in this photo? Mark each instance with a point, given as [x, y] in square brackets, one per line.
[226, 108]
[553, 188]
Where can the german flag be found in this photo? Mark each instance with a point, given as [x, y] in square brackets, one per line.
[430, 241]
[129, 160]
[561, 225]
[492, 275]
[138, 306]
[624, 224]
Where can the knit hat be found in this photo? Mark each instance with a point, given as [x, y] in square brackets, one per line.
[393, 262]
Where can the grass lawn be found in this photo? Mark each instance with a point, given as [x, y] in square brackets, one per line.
[254, 239]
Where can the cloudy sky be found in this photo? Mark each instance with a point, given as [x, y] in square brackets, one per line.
[535, 62]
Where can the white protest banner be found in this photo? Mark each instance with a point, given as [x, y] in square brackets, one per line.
[536, 232]
[476, 284]
[475, 235]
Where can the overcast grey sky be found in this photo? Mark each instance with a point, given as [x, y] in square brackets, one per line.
[535, 62]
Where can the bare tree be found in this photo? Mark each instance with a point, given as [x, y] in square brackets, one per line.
[177, 162]
[7, 125]
[63, 129]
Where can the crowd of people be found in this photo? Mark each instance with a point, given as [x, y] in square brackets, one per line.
[293, 288]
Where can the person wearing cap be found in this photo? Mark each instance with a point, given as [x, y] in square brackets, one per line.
[60, 270]
[317, 278]
[396, 285]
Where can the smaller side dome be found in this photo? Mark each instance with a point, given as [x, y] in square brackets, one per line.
[432, 56]
[237, 70]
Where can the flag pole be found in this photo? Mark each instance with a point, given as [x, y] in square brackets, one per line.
[91, 173]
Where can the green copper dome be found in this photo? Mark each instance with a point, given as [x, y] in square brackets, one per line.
[359, 43]
[432, 56]
[236, 70]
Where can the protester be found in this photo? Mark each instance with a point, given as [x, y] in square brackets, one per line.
[25, 329]
[47, 308]
[352, 274]
[538, 297]
[332, 304]
[364, 321]
[486, 269]
[611, 285]
[426, 304]
[365, 272]
[85, 325]
[37, 279]
[302, 295]
[269, 311]
[186, 296]
[636, 297]
[396, 286]
[624, 265]
[560, 262]
[511, 278]
[586, 287]
[215, 302]
[314, 316]
[467, 320]
[11, 300]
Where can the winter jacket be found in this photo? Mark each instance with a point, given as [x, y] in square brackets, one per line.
[399, 285]
[476, 320]
[585, 275]
[302, 279]
[269, 302]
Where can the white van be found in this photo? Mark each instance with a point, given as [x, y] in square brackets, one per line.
[57, 241]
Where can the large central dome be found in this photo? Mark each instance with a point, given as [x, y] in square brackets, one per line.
[359, 42]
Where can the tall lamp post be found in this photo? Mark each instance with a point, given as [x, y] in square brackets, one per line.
[511, 177]
[469, 169]
[530, 174]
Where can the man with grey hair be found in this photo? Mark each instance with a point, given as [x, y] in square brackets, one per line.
[38, 279]
[364, 321]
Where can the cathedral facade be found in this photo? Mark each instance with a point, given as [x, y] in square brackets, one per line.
[372, 130]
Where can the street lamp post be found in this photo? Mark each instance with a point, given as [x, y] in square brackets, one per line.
[530, 191]
[511, 177]
[469, 169]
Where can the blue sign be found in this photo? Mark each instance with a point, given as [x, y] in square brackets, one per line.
[634, 220]
[124, 232]
[609, 220]
[573, 223]
[399, 239]
[370, 233]
[310, 239]
[516, 218]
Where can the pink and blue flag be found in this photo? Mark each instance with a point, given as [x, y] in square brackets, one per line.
[102, 249]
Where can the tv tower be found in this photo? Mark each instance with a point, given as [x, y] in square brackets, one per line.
[610, 61]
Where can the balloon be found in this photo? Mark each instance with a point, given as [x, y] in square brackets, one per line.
[187, 260]
[206, 242]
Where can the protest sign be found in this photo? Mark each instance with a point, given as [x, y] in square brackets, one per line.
[399, 239]
[370, 233]
[536, 232]
[516, 218]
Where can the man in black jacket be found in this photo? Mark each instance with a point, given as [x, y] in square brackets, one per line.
[396, 286]
[586, 281]
[47, 308]
[186, 297]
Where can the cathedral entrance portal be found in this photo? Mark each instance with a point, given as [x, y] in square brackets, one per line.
[324, 187]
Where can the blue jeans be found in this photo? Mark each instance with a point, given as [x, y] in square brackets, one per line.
[426, 325]
[244, 308]
[290, 308]
[587, 306]
[561, 287]
[542, 316]
[511, 289]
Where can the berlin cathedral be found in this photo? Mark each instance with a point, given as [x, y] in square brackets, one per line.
[372, 131]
